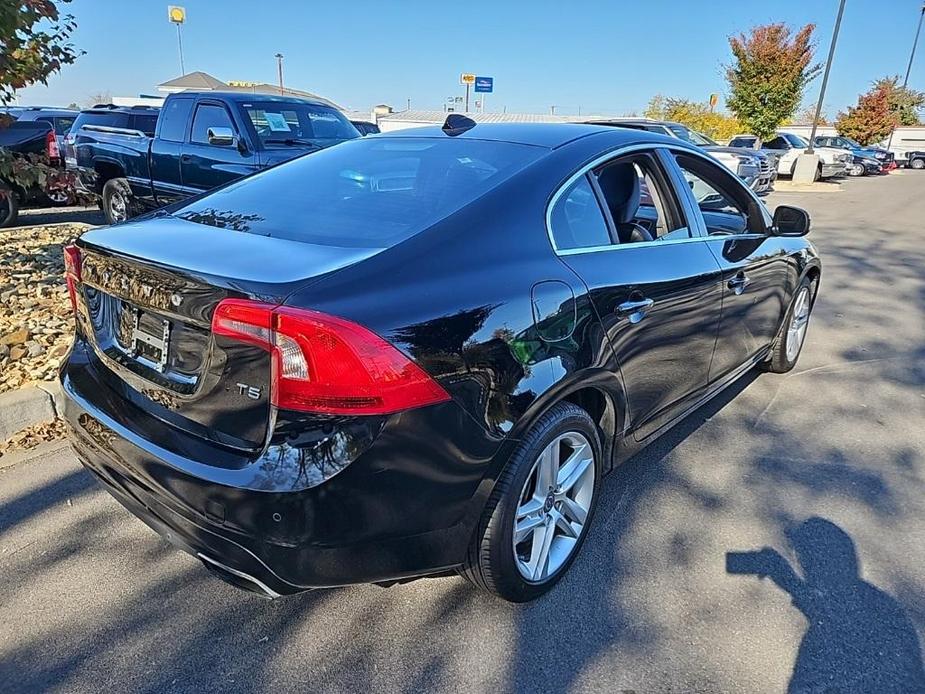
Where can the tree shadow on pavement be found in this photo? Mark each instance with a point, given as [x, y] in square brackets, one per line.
[859, 638]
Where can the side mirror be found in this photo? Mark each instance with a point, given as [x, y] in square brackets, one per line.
[791, 221]
[221, 137]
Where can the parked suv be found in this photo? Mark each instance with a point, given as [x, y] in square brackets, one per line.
[787, 147]
[883, 156]
[753, 167]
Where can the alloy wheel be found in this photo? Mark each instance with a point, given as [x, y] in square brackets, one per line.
[796, 332]
[117, 207]
[553, 507]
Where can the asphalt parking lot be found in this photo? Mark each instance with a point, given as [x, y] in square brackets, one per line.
[820, 464]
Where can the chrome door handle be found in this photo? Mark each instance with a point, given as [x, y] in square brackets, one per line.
[635, 310]
[739, 283]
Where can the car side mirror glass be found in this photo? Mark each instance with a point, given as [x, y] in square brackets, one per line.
[221, 137]
[791, 221]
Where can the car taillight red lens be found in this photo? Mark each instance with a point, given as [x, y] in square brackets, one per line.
[51, 146]
[326, 364]
[72, 272]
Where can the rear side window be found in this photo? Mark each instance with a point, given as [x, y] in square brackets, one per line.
[366, 193]
[146, 123]
[63, 125]
[174, 118]
[209, 116]
[577, 220]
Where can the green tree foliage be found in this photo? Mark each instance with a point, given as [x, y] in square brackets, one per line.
[871, 120]
[770, 70]
[33, 43]
[905, 103]
[696, 116]
[33, 46]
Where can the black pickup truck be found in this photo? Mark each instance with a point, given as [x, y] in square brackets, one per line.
[201, 140]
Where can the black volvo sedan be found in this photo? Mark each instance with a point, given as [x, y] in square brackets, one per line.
[419, 353]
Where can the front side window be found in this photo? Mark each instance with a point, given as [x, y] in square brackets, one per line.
[796, 141]
[365, 193]
[725, 206]
[281, 123]
[577, 220]
[209, 116]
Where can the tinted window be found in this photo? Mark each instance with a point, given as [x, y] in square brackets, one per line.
[368, 192]
[63, 125]
[104, 118]
[577, 220]
[776, 143]
[282, 121]
[746, 142]
[209, 116]
[174, 119]
[145, 123]
[796, 140]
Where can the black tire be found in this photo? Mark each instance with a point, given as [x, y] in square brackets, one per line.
[857, 170]
[818, 175]
[779, 362]
[490, 562]
[118, 201]
[917, 164]
[9, 205]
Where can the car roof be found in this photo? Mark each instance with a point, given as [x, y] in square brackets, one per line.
[110, 108]
[43, 111]
[550, 135]
[246, 97]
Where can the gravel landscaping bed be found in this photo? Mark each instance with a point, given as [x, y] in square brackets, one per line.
[35, 313]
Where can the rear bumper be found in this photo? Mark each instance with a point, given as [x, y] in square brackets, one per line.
[402, 509]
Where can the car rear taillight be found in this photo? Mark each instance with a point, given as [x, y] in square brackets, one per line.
[326, 364]
[72, 272]
[51, 146]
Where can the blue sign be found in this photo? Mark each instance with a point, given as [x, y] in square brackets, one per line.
[484, 84]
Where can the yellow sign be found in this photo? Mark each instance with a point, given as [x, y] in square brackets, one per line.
[467, 78]
[176, 14]
[714, 99]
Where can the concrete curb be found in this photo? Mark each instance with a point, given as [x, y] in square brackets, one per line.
[26, 407]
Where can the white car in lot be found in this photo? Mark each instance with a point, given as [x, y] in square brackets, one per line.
[788, 146]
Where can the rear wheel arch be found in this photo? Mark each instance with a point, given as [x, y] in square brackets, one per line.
[105, 171]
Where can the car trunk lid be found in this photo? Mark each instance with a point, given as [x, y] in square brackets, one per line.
[147, 293]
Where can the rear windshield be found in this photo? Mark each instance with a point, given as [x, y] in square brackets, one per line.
[110, 120]
[368, 192]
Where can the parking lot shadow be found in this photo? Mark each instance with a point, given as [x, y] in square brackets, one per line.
[859, 638]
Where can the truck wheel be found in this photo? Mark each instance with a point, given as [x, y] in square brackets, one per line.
[9, 206]
[918, 164]
[118, 202]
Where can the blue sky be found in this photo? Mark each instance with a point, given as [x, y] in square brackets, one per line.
[606, 57]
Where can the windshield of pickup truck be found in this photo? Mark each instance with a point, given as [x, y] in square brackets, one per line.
[691, 136]
[282, 123]
[369, 192]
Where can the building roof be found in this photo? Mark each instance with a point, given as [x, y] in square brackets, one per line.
[203, 81]
[193, 80]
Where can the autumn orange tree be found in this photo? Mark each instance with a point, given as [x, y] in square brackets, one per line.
[871, 120]
[770, 70]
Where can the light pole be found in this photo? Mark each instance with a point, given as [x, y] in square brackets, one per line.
[279, 69]
[825, 76]
[914, 44]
